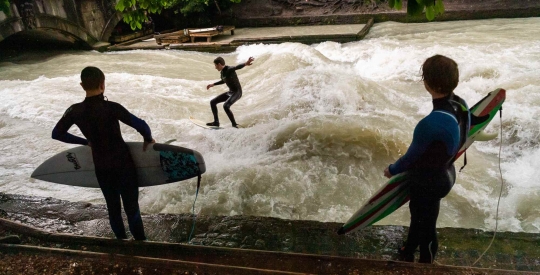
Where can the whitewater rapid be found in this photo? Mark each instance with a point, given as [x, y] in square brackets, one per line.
[324, 120]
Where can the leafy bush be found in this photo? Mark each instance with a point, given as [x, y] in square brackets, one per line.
[416, 7]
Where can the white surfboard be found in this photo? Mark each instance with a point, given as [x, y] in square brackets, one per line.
[202, 30]
[159, 164]
[201, 123]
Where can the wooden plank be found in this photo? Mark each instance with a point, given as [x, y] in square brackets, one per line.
[172, 38]
[171, 265]
[365, 30]
[175, 39]
[209, 34]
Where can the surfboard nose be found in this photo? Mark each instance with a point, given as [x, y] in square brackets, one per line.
[35, 173]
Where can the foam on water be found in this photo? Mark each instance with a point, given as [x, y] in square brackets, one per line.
[323, 121]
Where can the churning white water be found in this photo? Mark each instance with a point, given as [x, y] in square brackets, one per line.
[323, 121]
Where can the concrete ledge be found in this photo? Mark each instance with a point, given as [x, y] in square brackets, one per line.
[128, 48]
[230, 44]
[101, 46]
[214, 260]
[233, 238]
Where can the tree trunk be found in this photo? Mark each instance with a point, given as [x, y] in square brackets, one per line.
[217, 7]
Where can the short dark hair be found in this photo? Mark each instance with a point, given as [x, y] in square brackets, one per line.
[91, 78]
[441, 74]
[219, 60]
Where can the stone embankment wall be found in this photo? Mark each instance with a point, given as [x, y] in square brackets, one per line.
[264, 13]
[89, 21]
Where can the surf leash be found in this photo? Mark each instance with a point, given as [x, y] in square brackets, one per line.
[193, 208]
[500, 193]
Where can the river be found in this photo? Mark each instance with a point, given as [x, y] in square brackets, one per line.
[323, 121]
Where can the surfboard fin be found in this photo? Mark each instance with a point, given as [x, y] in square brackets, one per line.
[170, 141]
[483, 136]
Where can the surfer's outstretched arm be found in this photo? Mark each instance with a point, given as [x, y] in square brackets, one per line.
[250, 60]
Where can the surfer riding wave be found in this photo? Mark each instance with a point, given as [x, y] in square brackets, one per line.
[229, 77]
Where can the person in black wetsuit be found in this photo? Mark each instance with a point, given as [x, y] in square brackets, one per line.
[229, 77]
[98, 119]
[430, 157]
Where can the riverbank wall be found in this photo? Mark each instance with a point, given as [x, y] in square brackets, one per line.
[258, 13]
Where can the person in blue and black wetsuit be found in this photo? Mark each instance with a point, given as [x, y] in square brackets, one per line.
[229, 77]
[430, 157]
[98, 119]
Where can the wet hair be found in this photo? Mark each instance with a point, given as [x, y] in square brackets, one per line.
[219, 60]
[441, 74]
[91, 78]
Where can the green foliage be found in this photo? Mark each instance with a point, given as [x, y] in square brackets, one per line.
[432, 8]
[395, 4]
[192, 6]
[439, 7]
[398, 4]
[413, 8]
[133, 10]
[4, 7]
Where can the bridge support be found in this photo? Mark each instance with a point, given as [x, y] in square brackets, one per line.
[87, 21]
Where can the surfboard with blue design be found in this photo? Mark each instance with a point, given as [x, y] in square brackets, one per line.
[159, 164]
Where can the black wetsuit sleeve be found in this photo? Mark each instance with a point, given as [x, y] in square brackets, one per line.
[219, 82]
[60, 131]
[239, 66]
[131, 120]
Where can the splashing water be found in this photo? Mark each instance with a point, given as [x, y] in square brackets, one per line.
[323, 121]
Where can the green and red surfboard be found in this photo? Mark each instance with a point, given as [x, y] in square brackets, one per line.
[395, 193]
